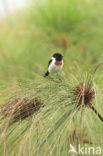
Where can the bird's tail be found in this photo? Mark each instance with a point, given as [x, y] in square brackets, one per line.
[46, 74]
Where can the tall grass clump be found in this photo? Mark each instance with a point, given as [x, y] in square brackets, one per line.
[56, 123]
[68, 22]
[62, 16]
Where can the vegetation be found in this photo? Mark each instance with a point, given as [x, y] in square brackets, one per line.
[39, 116]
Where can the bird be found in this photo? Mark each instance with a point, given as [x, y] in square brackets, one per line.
[55, 64]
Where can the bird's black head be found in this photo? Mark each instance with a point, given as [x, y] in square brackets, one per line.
[58, 56]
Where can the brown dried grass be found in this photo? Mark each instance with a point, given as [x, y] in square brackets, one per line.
[19, 108]
[83, 95]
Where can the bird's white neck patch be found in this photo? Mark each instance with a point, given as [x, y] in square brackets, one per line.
[53, 58]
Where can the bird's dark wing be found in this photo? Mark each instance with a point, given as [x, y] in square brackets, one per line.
[50, 62]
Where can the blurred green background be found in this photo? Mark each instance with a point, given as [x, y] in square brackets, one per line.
[28, 38]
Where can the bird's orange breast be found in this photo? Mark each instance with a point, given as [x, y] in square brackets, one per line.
[58, 63]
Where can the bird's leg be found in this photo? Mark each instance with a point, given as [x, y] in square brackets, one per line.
[59, 77]
[51, 77]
